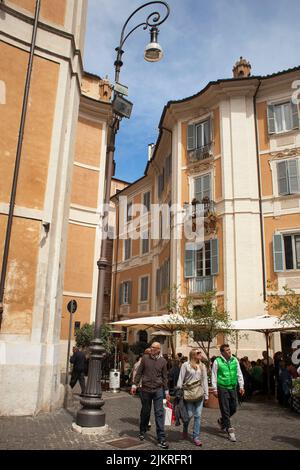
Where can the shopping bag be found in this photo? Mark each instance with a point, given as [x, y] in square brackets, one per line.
[168, 415]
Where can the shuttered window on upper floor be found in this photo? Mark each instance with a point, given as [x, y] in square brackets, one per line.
[203, 261]
[286, 252]
[283, 117]
[125, 293]
[199, 134]
[144, 287]
[288, 177]
[202, 187]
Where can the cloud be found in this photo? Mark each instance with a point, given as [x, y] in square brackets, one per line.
[201, 40]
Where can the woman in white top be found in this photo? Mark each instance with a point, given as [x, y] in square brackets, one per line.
[190, 371]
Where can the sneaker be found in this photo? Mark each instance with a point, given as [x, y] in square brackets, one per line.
[163, 445]
[141, 436]
[221, 425]
[197, 442]
[231, 435]
[184, 435]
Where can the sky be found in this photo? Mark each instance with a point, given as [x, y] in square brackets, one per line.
[201, 40]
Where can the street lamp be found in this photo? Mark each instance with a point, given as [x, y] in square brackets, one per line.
[91, 413]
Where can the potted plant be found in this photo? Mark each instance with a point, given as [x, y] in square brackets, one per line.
[210, 221]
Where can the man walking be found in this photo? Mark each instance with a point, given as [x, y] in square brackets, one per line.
[226, 374]
[152, 373]
[78, 360]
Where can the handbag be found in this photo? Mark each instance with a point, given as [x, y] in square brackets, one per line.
[193, 391]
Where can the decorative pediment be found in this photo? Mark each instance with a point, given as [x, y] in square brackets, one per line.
[286, 153]
[198, 167]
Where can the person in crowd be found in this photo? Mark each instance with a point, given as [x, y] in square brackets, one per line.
[284, 384]
[190, 371]
[265, 372]
[78, 360]
[173, 375]
[179, 356]
[127, 370]
[291, 368]
[257, 376]
[133, 374]
[226, 374]
[153, 374]
[245, 366]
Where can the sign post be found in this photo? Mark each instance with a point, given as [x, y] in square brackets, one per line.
[72, 307]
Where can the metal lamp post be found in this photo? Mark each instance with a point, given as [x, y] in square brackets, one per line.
[91, 413]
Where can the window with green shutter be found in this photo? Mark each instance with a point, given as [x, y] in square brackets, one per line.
[202, 187]
[278, 253]
[199, 134]
[288, 177]
[282, 117]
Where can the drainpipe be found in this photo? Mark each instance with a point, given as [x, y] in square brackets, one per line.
[259, 195]
[18, 158]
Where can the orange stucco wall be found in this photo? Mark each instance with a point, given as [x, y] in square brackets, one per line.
[271, 225]
[133, 275]
[82, 314]
[264, 143]
[21, 275]
[88, 142]
[51, 10]
[82, 179]
[80, 259]
[266, 175]
[38, 129]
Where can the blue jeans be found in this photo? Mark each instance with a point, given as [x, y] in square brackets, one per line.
[157, 398]
[194, 409]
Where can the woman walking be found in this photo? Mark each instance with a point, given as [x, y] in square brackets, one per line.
[191, 371]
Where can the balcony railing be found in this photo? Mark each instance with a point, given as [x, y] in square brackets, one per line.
[199, 285]
[204, 207]
[201, 153]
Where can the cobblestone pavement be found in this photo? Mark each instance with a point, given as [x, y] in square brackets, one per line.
[259, 425]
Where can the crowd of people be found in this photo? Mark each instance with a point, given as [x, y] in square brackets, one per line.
[156, 377]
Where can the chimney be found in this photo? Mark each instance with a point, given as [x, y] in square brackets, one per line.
[242, 68]
[105, 89]
[151, 148]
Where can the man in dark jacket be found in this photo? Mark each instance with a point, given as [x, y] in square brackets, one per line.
[152, 372]
[78, 360]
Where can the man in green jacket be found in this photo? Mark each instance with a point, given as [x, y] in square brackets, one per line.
[226, 374]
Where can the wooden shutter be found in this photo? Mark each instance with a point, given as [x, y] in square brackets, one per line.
[214, 256]
[293, 175]
[278, 253]
[282, 178]
[129, 292]
[206, 187]
[271, 119]
[189, 260]
[295, 116]
[191, 137]
[121, 294]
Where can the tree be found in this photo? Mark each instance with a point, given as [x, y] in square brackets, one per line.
[202, 322]
[287, 305]
[85, 335]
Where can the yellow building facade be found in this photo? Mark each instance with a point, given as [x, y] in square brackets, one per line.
[55, 238]
[234, 148]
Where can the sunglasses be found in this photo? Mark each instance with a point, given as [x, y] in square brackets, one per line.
[198, 352]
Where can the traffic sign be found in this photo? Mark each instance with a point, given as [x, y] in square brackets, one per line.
[72, 306]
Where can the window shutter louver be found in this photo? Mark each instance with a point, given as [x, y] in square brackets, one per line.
[189, 261]
[191, 137]
[282, 177]
[206, 187]
[278, 252]
[295, 115]
[214, 256]
[129, 292]
[271, 119]
[293, 175]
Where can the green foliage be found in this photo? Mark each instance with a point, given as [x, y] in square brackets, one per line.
[202, 322]
[138, 347]
[85, 334]
[287, 305]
